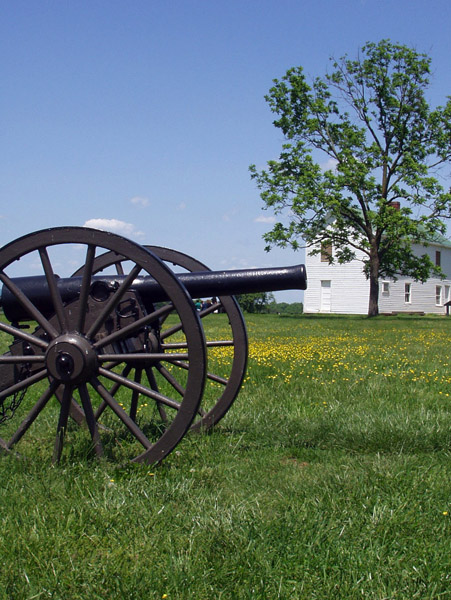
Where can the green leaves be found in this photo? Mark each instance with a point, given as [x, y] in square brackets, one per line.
[370, 119]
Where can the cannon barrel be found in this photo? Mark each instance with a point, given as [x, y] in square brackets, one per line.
[199, 284]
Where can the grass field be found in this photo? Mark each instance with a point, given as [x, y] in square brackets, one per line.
[330, 478]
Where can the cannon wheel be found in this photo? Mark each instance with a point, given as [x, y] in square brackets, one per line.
[69, 361]
[216, 402]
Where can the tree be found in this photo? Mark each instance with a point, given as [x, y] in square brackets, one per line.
[368, 119]
[256, 303]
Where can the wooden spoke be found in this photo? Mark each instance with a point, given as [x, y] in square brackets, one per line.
[84, 342]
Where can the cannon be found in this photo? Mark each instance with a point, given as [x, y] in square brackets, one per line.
[117, 345]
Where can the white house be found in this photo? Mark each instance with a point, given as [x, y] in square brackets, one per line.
[344, 289]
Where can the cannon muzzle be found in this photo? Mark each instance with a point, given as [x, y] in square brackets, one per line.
[200, 284]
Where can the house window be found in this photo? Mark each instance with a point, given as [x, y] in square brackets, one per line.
[326, 251]
[385, 288]
[438, 295]
[447, 293]
[407, 293]
[438, 258]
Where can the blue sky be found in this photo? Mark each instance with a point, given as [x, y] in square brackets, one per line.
[146, 115]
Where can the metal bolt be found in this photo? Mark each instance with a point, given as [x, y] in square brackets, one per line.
[64, 365]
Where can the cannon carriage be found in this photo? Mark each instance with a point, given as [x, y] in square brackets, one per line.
[118, 341]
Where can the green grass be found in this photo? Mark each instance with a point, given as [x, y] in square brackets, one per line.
[330, 477]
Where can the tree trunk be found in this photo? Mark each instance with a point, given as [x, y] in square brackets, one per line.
[373, 305]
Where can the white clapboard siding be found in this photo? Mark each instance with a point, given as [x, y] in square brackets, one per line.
[422, 296]
[344, 289]
[348, 287]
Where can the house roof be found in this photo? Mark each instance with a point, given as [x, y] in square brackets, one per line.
[438, 239]
[435, 238]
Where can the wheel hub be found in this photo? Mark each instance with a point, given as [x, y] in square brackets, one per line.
[70, 358]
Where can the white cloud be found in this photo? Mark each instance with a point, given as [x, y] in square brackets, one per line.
[182, 206]
[229, 215]
[139, 201]
[234, 262]
[329, 165]
[263, 219]
[114, 226]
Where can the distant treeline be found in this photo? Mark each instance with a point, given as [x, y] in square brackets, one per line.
[285, 308]
[264, 302]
